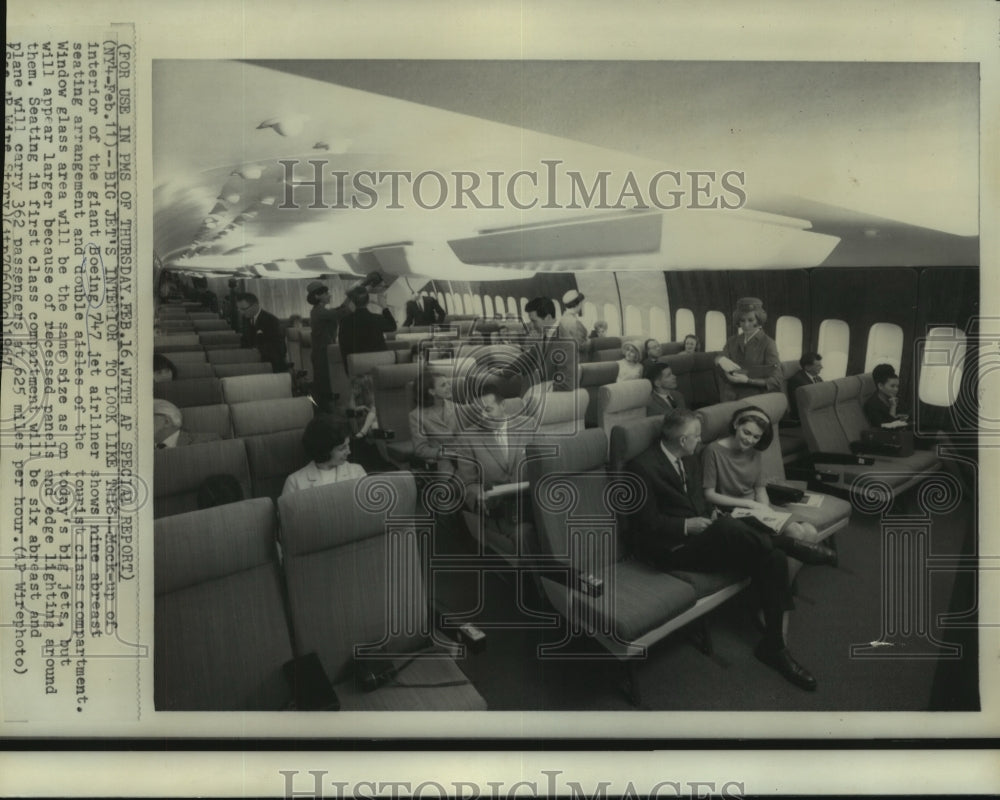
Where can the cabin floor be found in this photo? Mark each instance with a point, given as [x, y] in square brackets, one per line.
[837, 607]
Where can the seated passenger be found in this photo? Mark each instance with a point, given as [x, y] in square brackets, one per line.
[600, 330]
[362, 403]
[733, 477]
[328, 443]
[219, 490]
[692, 344]
[665, 396]
[672, 531]
[753, 353]
[163, 369]
[652, 353]
[493, 456]
[433, 423]
[629, 367]
[168, 427]
[883, 406]
[811, 364]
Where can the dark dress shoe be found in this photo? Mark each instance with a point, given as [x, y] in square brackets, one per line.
[781, 661]
[806, 552]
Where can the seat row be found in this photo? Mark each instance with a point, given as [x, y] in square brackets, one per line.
[231, 389]
[180, 341]
[225, 639]
[833, 420]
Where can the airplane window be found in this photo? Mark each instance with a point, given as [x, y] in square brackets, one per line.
[513, 307]
[659, 328]
[885, 345]
[684, 324]
[478, 306]
[498, 305]
[487, 303]
[470, 307]
[941, 366]
[633, 321]
[788, 337]
[834, 337]
[715, 331]
[589, 315]
[611, 316]
[520, 308]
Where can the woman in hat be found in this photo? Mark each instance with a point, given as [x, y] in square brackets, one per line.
[749, 361]
[570, 326]
[323, 322]
[630, 367]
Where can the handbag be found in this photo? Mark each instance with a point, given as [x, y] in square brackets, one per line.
[780, 494]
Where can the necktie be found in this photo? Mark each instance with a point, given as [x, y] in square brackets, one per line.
[817, 379]
[672, 404]
[682, 473]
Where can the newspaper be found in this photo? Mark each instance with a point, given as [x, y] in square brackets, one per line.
[76, 612]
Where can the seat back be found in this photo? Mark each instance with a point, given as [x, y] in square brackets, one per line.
[179, 339]
[561, 412]
[192, 392]
[256, 417]
[392, 398]
[232, 355]
[696, 377]
[193, 354]
[607, 355]
[359, 364]
[618, 403]
[580, 462]
[179, 472]
[195, 312]
[715, 421]
[230, 338]
[592, 376]
[848, 405]
[293, 347]
[818, 416]
[247, 388]
[671, 348]
[272, 458]
[629, 440]
[209, 419]
[211, 325]
[599, 343]
[343, 570]
[788, 369]
[235, 370]
[188, 370]
[220, 631]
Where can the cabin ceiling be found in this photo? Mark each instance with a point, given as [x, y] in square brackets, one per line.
[862, 164]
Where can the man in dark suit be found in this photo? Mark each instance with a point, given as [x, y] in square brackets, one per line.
[363, 330]
[423, 310]
[554, 356]
[262, 330]
[664, 396]
[811, 365]
[672, 531]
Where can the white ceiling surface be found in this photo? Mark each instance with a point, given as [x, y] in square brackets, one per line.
[898, 146]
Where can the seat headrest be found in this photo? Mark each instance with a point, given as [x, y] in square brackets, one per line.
[848, 389]
[582, 453]
[394, 376]
[715, 418]
[630, 439]
[625, 395]
[204, 545]
[814, 396]
[598, 373]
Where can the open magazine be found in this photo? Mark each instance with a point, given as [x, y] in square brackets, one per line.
[775, 520]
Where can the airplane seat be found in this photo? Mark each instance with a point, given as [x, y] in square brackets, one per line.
[178, 473]
[249, 388]
[198, 312]
[671, 348]
[601, 356]
[637, 605]
[592, 377]
[246, 368]
[221, 634]
[216, 324]
[256, 417]
[192, 392]
[178, 339]
[188, 370]
[209, 419]
[618, 403]
[340, 382]
[272, 457]
[232, 355]
[193, 354]
[393, 388]
[359, 364]
[793, 441]
[355, 581]
[229, 338]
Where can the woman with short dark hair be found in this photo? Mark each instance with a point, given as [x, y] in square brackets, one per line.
[327, 442]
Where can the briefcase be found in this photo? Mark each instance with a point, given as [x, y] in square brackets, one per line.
[887, 442]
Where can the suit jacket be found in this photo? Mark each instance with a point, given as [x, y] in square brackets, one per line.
[800, 378]
[425, 312]
[266, 335]
[364, 332]
[658, 527]
[657, 406]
